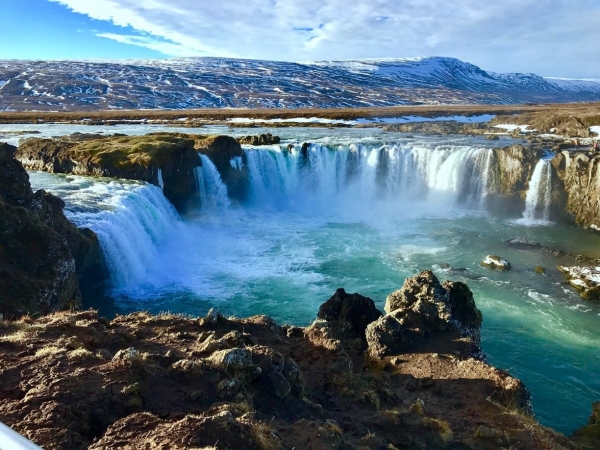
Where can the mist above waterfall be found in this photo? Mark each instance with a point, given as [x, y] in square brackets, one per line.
[359, 180]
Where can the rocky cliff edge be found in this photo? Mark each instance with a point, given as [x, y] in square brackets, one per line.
[42, 255]
[413, 378]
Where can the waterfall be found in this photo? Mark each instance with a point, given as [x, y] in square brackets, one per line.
[130, 220]
[161, 183]
[538, 199]
[213, 192]
[361, 174]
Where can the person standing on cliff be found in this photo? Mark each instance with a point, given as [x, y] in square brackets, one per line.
[595, 146]
[576, 143]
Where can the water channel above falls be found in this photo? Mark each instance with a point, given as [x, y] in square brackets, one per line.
[352, 218]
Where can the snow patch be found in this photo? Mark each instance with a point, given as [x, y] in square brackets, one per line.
[595, 129]
[512, 127]
[408, 119]
[293, 120]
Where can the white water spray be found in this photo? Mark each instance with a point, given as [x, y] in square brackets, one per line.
[539, 194]
[361, 174]
[213, 192]
[133, 221]
[161, 183]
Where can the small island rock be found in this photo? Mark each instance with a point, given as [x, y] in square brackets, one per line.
[495, 262]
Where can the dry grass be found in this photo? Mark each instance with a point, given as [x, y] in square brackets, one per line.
[264, 436]
[49, 350]
[329, 113]
[442, 428]
[80, 354]
[18, 332]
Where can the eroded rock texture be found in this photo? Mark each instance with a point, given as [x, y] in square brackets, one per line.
[164, 160]
[42, 255]
[75, 380]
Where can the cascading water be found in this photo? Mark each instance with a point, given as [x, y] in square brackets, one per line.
[364, 173]
[539, 194]
[161, 183]
[213, 192]
[131, 219]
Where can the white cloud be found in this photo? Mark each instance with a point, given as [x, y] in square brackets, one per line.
[549, 37]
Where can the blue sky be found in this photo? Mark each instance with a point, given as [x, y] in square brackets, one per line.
[547, 37]
[40, 29]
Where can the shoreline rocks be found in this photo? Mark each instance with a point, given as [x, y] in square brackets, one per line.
[584, 279]
[178, 382]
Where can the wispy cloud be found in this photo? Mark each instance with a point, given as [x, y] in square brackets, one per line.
[552, 37]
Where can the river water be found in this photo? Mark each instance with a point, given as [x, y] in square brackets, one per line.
[364, 210]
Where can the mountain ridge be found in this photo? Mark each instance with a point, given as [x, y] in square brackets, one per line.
[183, 83]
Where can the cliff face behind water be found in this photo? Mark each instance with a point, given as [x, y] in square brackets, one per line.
[219, 83]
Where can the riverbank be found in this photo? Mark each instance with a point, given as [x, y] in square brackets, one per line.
[189, 116]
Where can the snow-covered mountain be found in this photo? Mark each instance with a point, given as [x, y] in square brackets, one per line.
[218, 82]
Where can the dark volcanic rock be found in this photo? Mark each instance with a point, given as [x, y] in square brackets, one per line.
[462, 305]
[42, 255]
[424, 286]
[386, 336]
[349, 313]
[522, 243]
[588, 437]
[424, 307]
[263, 139]
[151, 158]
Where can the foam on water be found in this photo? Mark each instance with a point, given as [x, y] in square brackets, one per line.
[539, 195]
[131, 219]
[213, 192]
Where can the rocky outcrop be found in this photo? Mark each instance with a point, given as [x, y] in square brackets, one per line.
[584, 279]
[496, 262]
[75, 380]
[588, 437]
[579, 174]
[342, 321]
[263, 139]
[512, 170]
[165, 160]
[424, 307]
[42, 255]
[348, 313]
[515, 165]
